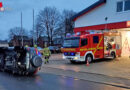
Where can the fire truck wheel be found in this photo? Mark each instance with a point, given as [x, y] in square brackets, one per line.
[113, 55]
[73, 62]
[89, 58]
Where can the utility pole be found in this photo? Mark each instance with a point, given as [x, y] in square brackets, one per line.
[33, 30]
[22, 28]
[106, 18]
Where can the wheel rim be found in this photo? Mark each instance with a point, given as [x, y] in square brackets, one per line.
[113, 55]
[89, 59]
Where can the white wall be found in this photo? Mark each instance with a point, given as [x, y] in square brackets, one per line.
[125, 34]
[97, 16]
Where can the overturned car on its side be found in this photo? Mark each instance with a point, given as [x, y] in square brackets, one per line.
[20, 60]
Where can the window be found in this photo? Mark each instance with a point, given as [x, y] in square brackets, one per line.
[120, 6]
[123, 5]
[95, 39]
[127, 5]
[84, 42]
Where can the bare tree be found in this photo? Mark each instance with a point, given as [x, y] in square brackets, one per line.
[49, 18]
[16, 31]
[38, 31]
[67, 21]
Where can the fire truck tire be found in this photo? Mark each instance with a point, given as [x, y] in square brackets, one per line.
[113, 55]
[89, 58]
[73, 62]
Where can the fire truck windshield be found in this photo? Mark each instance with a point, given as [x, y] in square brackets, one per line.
[72, 42]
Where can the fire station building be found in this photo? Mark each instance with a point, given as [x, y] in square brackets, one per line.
[106, 15]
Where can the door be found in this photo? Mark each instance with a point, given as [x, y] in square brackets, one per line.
[84, 46]
[98, 45]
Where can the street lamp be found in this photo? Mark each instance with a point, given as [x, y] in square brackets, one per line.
[106, 18]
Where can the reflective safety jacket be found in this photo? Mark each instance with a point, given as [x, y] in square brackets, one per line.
[46, 52]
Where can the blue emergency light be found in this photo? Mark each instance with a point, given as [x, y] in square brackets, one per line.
[72, 54]
[65, 54]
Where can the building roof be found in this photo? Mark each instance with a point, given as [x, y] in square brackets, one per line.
[88, 9]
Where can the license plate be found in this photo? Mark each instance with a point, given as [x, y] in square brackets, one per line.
[69, 58]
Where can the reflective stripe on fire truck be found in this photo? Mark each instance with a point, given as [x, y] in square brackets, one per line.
[68, 49]
[88, 49]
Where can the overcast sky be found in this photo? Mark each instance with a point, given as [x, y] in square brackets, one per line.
[11, 17]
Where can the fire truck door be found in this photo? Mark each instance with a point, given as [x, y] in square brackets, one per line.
[85, 45]
[97, 43]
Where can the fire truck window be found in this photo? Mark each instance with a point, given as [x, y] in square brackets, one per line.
[95, 39]
[84, 42]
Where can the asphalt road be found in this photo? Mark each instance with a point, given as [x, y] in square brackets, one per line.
[43, 81]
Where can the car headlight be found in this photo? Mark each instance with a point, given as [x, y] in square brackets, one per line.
[63, 57]
[76, 58]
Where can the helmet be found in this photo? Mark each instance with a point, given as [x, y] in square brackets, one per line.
[45, 44]
[35, 46]
[26, 45]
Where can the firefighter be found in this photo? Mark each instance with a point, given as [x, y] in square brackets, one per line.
[35, 46]
[26, 46]
[46, 53]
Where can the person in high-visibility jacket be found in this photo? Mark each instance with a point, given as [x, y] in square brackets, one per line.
[37, 51]
[46, 53]
[26, 46]
[35, 46]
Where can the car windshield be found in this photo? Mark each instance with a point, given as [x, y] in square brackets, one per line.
[72, 42]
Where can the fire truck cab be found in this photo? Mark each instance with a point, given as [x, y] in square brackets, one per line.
[89, 47]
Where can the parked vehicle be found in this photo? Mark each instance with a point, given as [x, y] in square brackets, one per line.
[20, 60]
[58, 50]
[89, 47]
[54, 49]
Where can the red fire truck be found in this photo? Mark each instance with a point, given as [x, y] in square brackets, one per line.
[89, 47]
